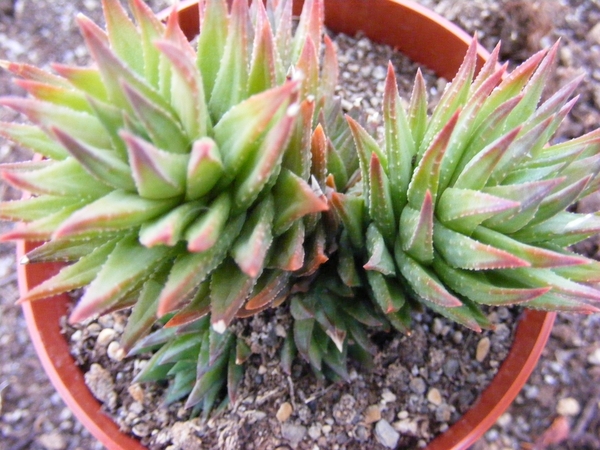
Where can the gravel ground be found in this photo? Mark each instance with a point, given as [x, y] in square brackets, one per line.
[557, 409]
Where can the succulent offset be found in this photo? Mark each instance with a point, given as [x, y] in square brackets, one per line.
[200, 182]
[468, 206]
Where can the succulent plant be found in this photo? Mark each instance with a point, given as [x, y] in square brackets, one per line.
[468, 206]
[183, 179]
[172, 173]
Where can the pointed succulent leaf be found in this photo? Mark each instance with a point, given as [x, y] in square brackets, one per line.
[35, 208]
[351, 210]
[191, 269]
[458, 144]
[29, 72]
[464, 209]
[85, 79]
[270, 285]
[319, 155]
[211, 41]
[73, 276]
[40, 229]
[417, 109]
[517, 151]
[294, 199]
[164, 129]
[489, 68]
[153, 371]
[235, 376]
[62, 250]
[150, 29]
[250, 249]
[316, 255]
[399, 143]
[453, 97]
[60, 96]
[386, 291]
[583, 273]
[34, 139]
[143, 314]
[187, 91]
[477, 171]
[198, 308]
[123, 35]
[157, 174]
[63, 178]
[555, 103]
[230, 86]
[534, 255]
[381, 208]
[79, 124]
[426, 176]
[239, 129]
[126, 268]
[115, 211]
[564, 228]
[290, 249]
[297, 157]
[463, 252]
[329, 70]
[559, 201]
[529, 195]
[467, 315]
[204, 169]
[212, 380]
[481, 290]
[104, 165]
[512, 85]
[262, 75]
[265, 164]
[416, 231]
[560, 285]
[533, 90]
[556, 302]
[310, 27]
[423, 281]
[114, 71]
[380, 258]
[308, 66]
[491, 129]
[303, 330]
[365, 147]
[169, 229]
[205, 231]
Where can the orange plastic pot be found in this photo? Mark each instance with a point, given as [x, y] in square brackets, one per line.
[429, 40]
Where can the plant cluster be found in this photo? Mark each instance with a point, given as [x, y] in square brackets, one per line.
[198, 183]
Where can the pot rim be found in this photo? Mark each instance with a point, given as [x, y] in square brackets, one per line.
[422, 33]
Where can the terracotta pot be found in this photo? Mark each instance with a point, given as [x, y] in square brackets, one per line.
[429, 40]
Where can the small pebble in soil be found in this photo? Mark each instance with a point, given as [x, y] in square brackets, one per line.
[594, 357]
[344, 411]
[105, 337]
[293, 433]
[372, 414]
[568, 407]
[483, 348]
[418, 385]
[284, 412]
[385, 434]
[101, 384]
[434, 397]
[406, 427]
